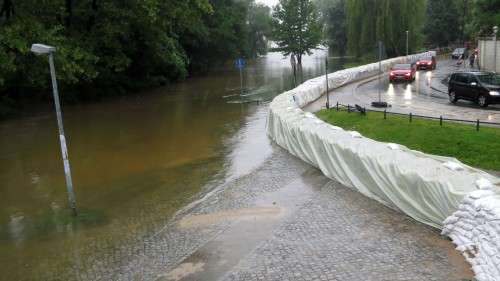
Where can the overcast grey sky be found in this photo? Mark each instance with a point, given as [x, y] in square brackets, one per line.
[270, 3]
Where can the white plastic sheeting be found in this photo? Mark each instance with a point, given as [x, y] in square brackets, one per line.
[413, 182]
[426, 187]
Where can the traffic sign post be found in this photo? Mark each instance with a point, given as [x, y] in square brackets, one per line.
[240, 64]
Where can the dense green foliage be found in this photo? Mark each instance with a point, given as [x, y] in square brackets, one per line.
[333, 17]
[485, 15]
[123, 44]
[452, 139]
[442, 25]
[296, 29]
[387, 21]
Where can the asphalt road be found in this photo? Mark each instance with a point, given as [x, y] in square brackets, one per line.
[427, 95]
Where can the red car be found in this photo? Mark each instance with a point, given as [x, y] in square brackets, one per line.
[403, 72]
[426, 63]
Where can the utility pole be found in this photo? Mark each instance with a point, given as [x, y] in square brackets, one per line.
[49, 50]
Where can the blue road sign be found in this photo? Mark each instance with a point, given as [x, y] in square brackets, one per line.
[240, 63]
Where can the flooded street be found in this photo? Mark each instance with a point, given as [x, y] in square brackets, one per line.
[136, 161]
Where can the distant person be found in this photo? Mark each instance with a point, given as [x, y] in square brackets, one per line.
[472, 59]
[460, 59]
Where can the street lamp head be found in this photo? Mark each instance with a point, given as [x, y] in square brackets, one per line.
[495, 29]
[41, 49]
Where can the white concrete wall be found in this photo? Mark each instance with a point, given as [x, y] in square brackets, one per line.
[486, 55]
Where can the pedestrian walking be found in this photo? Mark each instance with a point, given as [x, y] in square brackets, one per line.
[472, 59]
[460, 60]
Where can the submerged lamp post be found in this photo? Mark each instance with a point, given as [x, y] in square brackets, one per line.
[41, 49]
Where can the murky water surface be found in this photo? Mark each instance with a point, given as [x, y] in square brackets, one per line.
[136, 161]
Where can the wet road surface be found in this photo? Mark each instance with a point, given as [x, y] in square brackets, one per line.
[427, 95]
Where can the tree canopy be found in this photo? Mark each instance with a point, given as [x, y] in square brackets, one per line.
[387, 21]
[442, 25]
[127, 43]
[296, 29]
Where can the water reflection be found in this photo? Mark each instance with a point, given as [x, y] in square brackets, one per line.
[408, 92]
[428, 77]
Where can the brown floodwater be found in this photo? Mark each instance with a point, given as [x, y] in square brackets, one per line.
[136, 160]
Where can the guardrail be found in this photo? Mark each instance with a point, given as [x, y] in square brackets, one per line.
[477, 123]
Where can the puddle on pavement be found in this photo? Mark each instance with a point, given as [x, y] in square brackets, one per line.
[183, 271]
[238, 214]
[248, 228]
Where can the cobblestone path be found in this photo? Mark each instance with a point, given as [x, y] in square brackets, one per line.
[341, 235]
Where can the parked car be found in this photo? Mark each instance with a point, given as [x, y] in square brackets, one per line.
[403, 72]
[427, 63]
[460, 53]
[480, 87]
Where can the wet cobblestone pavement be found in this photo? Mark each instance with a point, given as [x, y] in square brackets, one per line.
[286, 221]
[341, 235]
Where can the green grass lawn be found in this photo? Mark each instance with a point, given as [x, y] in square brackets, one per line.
[479, 149]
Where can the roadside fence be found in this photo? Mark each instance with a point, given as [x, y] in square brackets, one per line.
[359, 109]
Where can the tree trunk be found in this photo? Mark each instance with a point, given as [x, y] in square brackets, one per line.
[91, 21]
[7, 9]
[69, 12]
[299, 59]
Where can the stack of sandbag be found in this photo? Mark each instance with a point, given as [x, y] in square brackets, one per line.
[475, 229]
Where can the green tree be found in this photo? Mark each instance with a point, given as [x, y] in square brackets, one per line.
[336, 27]
[115, 45]
[296, 29]
[442, 16]
[485, 15]
[369, 21]
[259, 21]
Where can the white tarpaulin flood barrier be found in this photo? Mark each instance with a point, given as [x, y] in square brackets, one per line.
[428, 188]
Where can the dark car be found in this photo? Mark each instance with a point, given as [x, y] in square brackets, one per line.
[460, 53]
[403, 72]
[426, 63]
[480, 87]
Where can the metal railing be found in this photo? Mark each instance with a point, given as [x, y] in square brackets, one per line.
[410, 115]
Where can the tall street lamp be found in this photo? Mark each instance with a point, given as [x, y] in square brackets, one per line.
[41, 49]
[327, 89]
[495, 30]
[407, 34]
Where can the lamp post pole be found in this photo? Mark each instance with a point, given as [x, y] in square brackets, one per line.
[379, 70]
[327, 90]
[43, 49]
[495, 30]
[407, 34]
